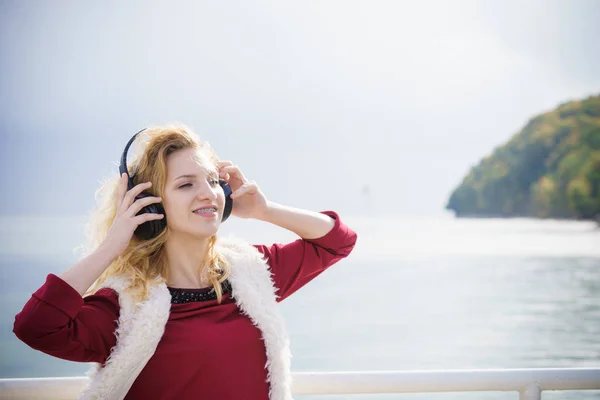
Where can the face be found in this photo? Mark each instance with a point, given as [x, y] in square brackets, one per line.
[193, 199]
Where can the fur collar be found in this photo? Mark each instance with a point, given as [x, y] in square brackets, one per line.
[141, 326]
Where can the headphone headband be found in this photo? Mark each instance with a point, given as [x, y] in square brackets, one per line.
[123, 164]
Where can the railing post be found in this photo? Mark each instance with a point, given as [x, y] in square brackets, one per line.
[531, 392]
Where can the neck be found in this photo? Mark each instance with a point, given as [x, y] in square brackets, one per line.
[185, 257]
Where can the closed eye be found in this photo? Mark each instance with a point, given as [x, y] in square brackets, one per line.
[185, 185]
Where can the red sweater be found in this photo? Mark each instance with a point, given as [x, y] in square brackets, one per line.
[207, 349]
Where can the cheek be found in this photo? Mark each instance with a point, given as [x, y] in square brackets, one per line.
[172, 205]
[170, 213]
[220, 198]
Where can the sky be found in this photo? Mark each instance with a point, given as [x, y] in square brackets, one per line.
[364, 107]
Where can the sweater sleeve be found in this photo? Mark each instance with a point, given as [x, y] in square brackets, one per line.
[297, 263]
[58, 321]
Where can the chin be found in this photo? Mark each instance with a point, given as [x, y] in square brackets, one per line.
[200, 231]
[205, 233]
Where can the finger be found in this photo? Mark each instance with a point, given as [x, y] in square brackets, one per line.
[141, 203]
[131, 194]
[246, 188]
[140, 219]
[233, 170]
[224, 163]
[121, 189]
[221, 165]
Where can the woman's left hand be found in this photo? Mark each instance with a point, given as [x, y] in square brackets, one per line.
[248, 200]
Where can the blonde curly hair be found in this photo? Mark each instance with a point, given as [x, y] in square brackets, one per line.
[144, 262]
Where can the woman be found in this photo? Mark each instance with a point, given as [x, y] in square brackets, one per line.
[163, 307]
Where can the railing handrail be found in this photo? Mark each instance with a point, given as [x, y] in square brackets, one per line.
[529, 382]
[446, 380]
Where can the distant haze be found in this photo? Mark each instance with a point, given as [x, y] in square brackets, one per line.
[365, 107]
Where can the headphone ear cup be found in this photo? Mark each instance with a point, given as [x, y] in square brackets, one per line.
[228, 200]
[150, 229]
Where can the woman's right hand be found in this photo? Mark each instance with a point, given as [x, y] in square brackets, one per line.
[126, 221]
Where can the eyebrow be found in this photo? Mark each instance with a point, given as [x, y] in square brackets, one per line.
[194, 176]
[185, 176]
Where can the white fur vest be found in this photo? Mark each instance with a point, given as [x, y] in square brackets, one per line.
[141, 326]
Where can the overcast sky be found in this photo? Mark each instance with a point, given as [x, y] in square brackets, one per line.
[315, 100]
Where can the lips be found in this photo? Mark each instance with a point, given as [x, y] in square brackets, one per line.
[205, 210]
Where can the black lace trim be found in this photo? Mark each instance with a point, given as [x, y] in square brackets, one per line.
[182, 296]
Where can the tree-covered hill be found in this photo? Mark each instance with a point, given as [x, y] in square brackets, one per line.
[551, 169]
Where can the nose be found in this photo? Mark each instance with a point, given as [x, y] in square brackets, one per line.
[206, 192]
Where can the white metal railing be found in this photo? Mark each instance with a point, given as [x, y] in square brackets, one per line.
[528, 382]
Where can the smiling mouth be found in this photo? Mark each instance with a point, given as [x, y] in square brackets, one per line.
[205, 210]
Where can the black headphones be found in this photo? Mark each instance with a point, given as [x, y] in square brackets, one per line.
[151, 229]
